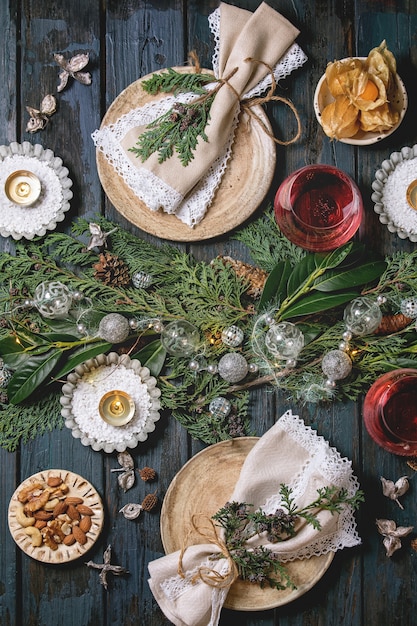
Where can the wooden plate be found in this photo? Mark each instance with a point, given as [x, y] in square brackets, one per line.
[203, 486]
[79, 488]
[244, 185]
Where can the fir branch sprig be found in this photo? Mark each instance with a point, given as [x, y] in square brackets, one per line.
[240, 522]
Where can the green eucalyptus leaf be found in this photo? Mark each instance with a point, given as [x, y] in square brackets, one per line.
[348, 277]
[83, 354]
[32, 374]
[316, 302]
[275, 288]
[153, 356]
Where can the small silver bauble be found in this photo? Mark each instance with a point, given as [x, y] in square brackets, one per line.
[253, 368]
[212, 368]
[362, 316]
[180, 338]
[142, 280]
[114, 328]
[158, 326]
[52, 299]
[284, 340]
[408, 307]
[220, 407]
[336, 365]
[194, 365]
[77, 295]
[233, 367]
[232, 336]
[133, 323]
[81, 329]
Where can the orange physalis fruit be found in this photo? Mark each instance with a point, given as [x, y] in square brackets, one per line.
[370, 92]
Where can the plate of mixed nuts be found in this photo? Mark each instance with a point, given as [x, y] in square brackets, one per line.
[55, 516]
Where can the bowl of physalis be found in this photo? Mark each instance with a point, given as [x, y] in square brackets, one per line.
[361, 100]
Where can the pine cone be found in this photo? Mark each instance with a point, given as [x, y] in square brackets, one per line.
[254, 275]
[147, 473]
[150, 501]
[392, 324]
[111, 270]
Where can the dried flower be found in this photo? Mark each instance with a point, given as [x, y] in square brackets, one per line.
[392, 534]
[131, 511]
[40, 117]
[98, 237]
[395, 490]
[73, 68]
[127, 479]
[106, 567]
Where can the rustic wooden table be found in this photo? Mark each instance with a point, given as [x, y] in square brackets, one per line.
[126, 40]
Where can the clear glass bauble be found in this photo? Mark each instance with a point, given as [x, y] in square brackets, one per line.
[180, 338]
[232, 336]
[52, 299]
[284, 340]
[362, 316]
[336, 365]
[220, 407]
[114, 328]
[233, 367]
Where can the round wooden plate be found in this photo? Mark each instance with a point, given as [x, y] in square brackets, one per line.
[203, 486]
[244, 185]
[79, 488]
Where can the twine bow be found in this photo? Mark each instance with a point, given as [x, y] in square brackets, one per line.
[208, 575]
[248, 105]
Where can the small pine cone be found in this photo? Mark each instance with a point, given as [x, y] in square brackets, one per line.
[149, 502]
[147, 473]
[392, 324]
[111, 270]
[254, 275]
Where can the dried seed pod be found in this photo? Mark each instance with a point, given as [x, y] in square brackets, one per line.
[395, 490]
[131, 510]
[149, 502]
[48, 106]
[392, 534]
[126, 480]
[147, 473]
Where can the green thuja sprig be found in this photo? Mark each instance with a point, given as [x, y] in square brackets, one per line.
[179, 130]
[171, 81]
[240, 522]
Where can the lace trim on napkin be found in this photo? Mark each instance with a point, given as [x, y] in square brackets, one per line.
[337, 470]
[153, 191]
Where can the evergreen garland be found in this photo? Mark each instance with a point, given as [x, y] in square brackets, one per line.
[311, 290]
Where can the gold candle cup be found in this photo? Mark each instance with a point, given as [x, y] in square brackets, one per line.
[22, 187]
[116, 408]
[412, 194]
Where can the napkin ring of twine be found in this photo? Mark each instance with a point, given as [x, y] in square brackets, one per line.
[206, 574]
[247, 105]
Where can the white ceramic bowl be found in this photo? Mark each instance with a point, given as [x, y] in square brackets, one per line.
[399, 99]
[390, 193]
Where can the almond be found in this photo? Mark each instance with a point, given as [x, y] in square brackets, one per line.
[73, 500]
[60, 508]
[85, 524]
[73, 513]
[79, 535]
[69, 540]
[40, 523]
[54, 481]
[84, 509]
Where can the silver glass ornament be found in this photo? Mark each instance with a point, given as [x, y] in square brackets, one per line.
[114, 328]
[362, 316]
[284, 340]
[142, 280]
[336, 365]
[180, 338]
[52, 299]
[220, 407]
[233, 367]
[232, 336]
[408, 307]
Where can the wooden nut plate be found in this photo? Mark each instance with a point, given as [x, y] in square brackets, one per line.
[79, 487]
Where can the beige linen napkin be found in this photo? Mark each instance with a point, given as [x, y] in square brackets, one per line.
[290, 453]
[264, 36]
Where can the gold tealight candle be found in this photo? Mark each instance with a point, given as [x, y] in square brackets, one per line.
[116, 408]
[22, 187]
[412, 194]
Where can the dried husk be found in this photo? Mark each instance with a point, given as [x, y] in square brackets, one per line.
[340, 118]
[377, 120]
